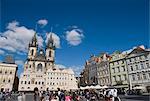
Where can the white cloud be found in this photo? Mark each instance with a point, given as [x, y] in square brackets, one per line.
[55, 38]
[1, 52]
[60, 66]
[74, 37]
[17, 38]
[12, 25]
[19, 62]
[77, 69]
[43, 22]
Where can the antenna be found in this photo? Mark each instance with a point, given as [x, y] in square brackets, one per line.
[35, 27]
[51, 29]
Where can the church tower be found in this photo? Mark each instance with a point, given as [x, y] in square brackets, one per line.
[32, 48]
[50, 51]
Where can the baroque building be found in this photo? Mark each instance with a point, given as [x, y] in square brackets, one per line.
[103, 71]
[138, 64]
[8, 70]
[119, 72]
[41, 71]
[92, 70]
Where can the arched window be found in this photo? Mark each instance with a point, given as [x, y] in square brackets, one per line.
[49, 53]
[32, 52]
[8, 81]
[39, 67]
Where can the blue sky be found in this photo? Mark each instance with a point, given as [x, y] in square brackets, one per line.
[104, 25]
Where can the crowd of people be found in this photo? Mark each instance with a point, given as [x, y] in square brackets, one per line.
[63, 95]
[78, 95]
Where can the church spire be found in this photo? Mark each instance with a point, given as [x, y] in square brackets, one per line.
[50, 43]
[33, 41]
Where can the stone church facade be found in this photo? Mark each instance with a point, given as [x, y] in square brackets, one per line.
[41, 71]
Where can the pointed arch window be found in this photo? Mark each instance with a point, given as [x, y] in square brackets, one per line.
[32, 52]
[39, 67]
[50, 53]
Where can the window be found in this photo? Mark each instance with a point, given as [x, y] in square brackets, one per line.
[28, 88]
[21, 82]
[10, 72]
[42, 83]
[49, 53]
[131, 68]
[147, 65]
[39, 83]
[5, 72]
[136, 67]
[138, 76]
[114, 78]
[4, 80]
[118, 69]
[133, 77]
[35, 82]
[119, 76]
[125, 78]
[142, 66]
[30, 66]
[25, 82]
[8, 81]
[39, 67]
[0, 72]
[113, 69]
[123, 67]
[144, 76]
[32, 52]
[29, 82]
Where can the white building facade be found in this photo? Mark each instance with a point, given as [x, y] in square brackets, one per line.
[40, 70]
[7, 76]
[138, 63]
